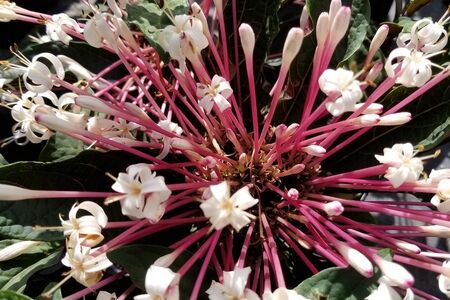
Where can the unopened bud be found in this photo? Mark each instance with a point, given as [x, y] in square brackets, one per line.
[136, 111]
[314, 150]
[340, 25]
[408, 247]
[335, 5]
[367, 120]
[166, 260]
[377, 41]
[436, 230]
[333, 208]
[293, 194]
[280, 131]
[180, 143]
[16, 249]
[296, 169]
[304, 20]
[395, 119]
[198, 13]
[356, 259]
[94, 104]
[374, 108]
[291, 46]
[395, 273]
[322, 29]
[209, 162]
[247, 39]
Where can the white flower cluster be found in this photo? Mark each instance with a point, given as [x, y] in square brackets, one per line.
[82, 234]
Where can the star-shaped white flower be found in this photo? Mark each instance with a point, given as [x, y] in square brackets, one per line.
[218, 91]
[403, 166]
[183, 39]
[342, 84]
[160, 283]
[55, 28]
[223, 210]
[415, 67]
[233, 286]
[144, 193]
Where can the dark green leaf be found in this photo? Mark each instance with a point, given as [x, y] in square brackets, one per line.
[358, 27]
[415, 5]
[136, 259]
[316, 7]
[20, 279]
[9, 230]
[340, 283]
[10, 295]
[2, 161]
[150, 19]
[60, 147]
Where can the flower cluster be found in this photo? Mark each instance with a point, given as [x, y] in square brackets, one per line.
[246, 194]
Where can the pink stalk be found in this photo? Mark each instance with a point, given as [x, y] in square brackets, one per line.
[299, 252]
[199, 253]
[201, 274]
[98, 285]
[274, 252]
[245, 246]
[366, 172]
[381, 187]
[266, 272]
[127, 292]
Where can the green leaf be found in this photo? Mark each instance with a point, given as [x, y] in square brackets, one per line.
[136, 259]
[10, 295]
[56, 295]
[341, 283]
[60, 147]
[21, 278]
[406, 23]
[9, 230]
[415, 5]
[2, 161]
[316, 7]
[150, 19]
[358, 27]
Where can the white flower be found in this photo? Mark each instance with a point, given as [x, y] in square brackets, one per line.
[16, 249]
[283, 294]
[426, 36]
[160, 283]
[145, 194]
[183, 39]
[233, 286]
[437, 175]
[218, 91]
[444, 281]
[23, 112]
[86, 268]
[99, 31]
[42, 79]
[223, 210]
[87, 227]
[55, 28]
[385, 292]
[168, 126]
[356, 259]
[314, 150]
[394, 274]
[415, 67]
[403, 166]
[442, 197]
[342, 84]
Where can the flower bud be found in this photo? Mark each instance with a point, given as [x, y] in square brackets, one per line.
[335, 5]
[374, 108]
[322, 29]
[395, 119]
[374, 72]
[197, 12]
[16, 249]
[94, 104]
[377, 41]
[367, 120]
[340, 25]
[247, 39]
[395, 273]
[333, 208]
[6, 11]
[408, 247]
[314, 150]
[293, 194]
[356, 259]
[291, 46]
[280, 130]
